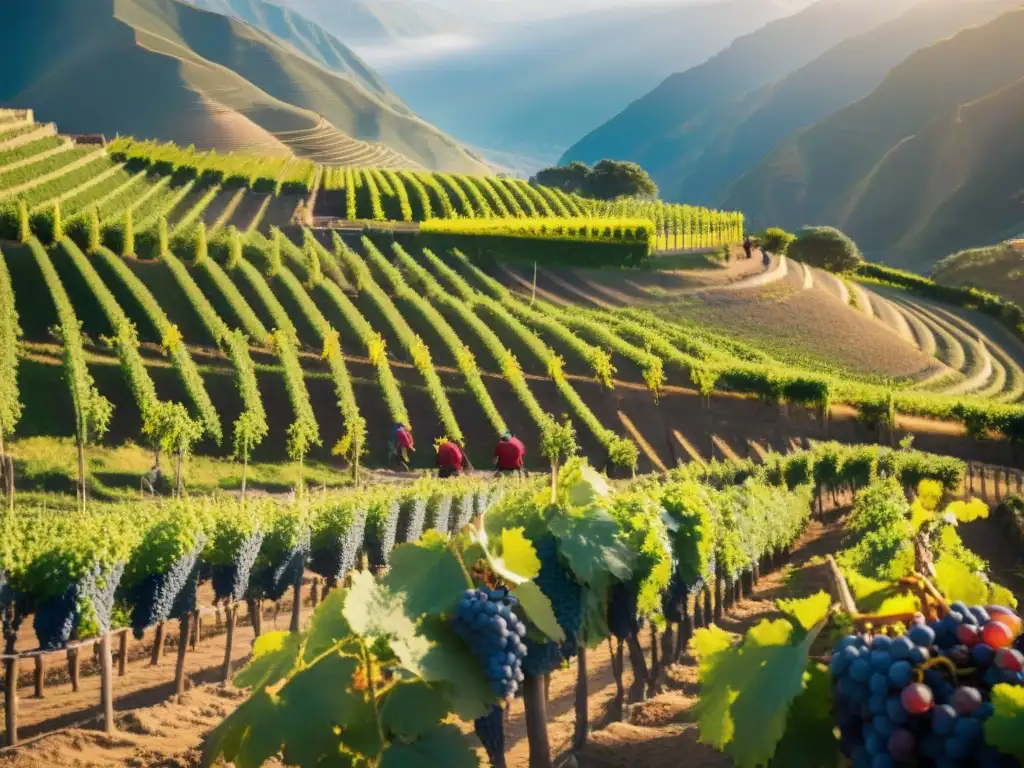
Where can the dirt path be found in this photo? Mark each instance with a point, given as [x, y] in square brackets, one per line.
[151, 734]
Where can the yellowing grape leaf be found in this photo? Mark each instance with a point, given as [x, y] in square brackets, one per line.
[537, 607]
[1003, 730]
[518, 553]
[919, 515]
[956, 581]
[749, 689]
[273, 657]
[929, 493]
[430, 577]
[709, 645]
[1000, 595]
[807, 612]
[968, 511]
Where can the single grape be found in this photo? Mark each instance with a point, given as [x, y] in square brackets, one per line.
[959, 655]
[981, 615]
[922, 636]
[961, 607]
[982, 655]
[901, 648]
[881, 643]
[900, 673]
[874, 744]
[883, 725]
[997, 635]
[917, 698]
[1009, 659]
[1006, 616]
[860, 670]
[902, 744]
[966, 699]
[968, 634]
[968, 729]
[879, 683]
[881, 661]
[919, 656]
[943, 719]
[984, 711]
[850, 641]
[894, 709]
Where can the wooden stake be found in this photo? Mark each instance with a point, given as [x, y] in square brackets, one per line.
[106, 683]
[314, 593]
[296, 624]
[638, 687]
[122, 654]
[179, 670]
[197, 628]
[39, 676]
[158, 645]
[225, 670]
[536, 722]
[11, 701]
[74, 668]
[582, 727]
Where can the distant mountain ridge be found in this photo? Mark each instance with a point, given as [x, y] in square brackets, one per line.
[375, 21]
[164, 69]
[930, 162]
[672, 124]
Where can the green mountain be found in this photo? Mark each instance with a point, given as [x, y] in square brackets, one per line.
[673, 124]
[167, 70]
[928, 163]
[748, 130]
[304, 35]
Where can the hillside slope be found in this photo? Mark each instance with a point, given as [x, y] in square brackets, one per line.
[672, 123]
[366, 21]
[926, 164]
[750, 129]
[534, 88]
[164, 69]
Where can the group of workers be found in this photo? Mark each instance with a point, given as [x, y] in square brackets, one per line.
[748, 247]
[451, 457]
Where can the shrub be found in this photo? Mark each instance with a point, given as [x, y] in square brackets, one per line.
[825, 248]
[775, 240]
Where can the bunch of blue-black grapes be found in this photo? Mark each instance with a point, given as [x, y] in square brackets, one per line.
[485, 621]
[922, 698]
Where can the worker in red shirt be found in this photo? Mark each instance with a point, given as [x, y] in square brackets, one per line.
[402, 445]
[451, 459]
[508, 455]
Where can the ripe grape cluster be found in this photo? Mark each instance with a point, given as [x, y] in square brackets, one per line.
[231, 580]
[923, 697]
[161, 596]
[565, 594]
[622, 610]
[485, 621]
[490, 729]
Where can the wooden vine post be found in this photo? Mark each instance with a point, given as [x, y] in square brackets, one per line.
[122, 654]
[11, 695]
[582, 727]
[231, 613]
[39, 676]
[158, 645]
[179, 670]
[296, 623]
[536, 721]
[107, 683]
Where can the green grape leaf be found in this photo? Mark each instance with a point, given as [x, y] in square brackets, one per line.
[593, 547]
[1003, 730]
[327, 625]
[374, 611]
[518, 554]
[809, 741]
[709, 645]
[956, 581]
[749, 689]
[444, 745]
[538, 609]
[273, 657]
[410, 709]
[247, 737]
[312, 703]
[595, 617]
[430, 577]
[807, 612]
[447, 662]
[587, 487]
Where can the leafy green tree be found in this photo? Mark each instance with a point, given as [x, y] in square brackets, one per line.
[568, 178]
[129, 234]
[607, 180]
[775, 240]
[825, 248]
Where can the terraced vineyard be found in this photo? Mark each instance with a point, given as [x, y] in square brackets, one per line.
[262, 339]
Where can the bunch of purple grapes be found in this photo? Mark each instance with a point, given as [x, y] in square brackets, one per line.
[922, 698]
[484, 619]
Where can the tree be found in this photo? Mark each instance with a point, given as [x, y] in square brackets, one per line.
[128, 246]
[608, 180]
[611, 179]
[174, 431]
[775, 240]
[826, 248]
